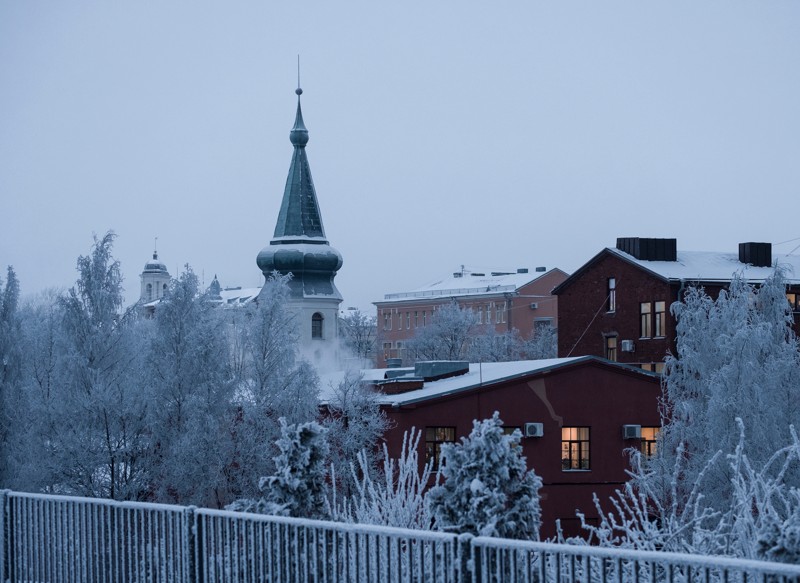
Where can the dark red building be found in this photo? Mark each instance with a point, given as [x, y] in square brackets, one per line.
[617, 305]
[574, 413]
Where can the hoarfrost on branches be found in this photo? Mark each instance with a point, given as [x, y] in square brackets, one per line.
[487, 488]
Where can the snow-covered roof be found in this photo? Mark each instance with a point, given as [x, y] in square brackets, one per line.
[238, 296]
[480, 374]
[710, 266]
[466, 283]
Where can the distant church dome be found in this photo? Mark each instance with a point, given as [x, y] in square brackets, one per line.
[155, 281]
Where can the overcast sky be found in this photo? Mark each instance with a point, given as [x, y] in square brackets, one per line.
[495, 135]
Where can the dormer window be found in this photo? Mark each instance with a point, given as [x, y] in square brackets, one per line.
[316, 325]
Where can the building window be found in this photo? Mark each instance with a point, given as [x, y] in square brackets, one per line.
[434, 438]
[399, 321]
[542, 325]
[574, 448]
[794, 301]
[424, 318]
[645, 320]
[408, 320]
[316, 325]
[611, 347]
[149, 291]
[480, 314]
[659, 367]
[416, 319]
[500, 314]
[612, 294]
[387, 320]
[660, 320]
[649, 438]
[510, 429]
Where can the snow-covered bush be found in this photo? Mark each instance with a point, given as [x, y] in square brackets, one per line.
[393, 495]
[297, 488]
[487, 488]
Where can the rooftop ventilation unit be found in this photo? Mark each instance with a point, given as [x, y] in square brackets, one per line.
[648, 249]
[756, 254]
[522, 270]
[631, 432]
[627, 346]
[541, 269]
[534, 429]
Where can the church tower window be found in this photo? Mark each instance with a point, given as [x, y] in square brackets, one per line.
[316, 325]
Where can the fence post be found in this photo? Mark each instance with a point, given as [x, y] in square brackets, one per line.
[192, 562]
[4, 524]
[465, 562]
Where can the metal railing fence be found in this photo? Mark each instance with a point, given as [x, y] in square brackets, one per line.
[46, 538]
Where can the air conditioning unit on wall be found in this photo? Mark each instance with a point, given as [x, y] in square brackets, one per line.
[627, 346]
[631, 432]
[534, 305]
[534, 430]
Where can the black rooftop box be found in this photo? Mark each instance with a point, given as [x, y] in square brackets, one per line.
[648, 249]
[756, 254]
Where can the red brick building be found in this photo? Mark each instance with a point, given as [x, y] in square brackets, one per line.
[617, 305]
[508, 300]
[573, 410]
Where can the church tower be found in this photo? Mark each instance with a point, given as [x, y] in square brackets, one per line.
[155, 280]
[299, 247]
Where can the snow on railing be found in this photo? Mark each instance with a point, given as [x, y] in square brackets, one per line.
[59, 538]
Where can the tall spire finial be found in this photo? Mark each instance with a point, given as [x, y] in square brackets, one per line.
[299, 134]
[299, 91]
[155, 248]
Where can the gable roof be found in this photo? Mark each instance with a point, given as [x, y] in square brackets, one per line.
[480, 375]
[695, 266]
[470, 283]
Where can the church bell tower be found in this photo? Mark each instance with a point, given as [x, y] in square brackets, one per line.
[299, 247]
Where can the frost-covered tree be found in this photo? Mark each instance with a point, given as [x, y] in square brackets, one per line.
[737, 358]
[10, 365]
[274, 383]
[298, 485]
[359, 332]
[723, 481]
[447, 335]
[187, 369]
[355, 425]
[92, 430]
[487, 488]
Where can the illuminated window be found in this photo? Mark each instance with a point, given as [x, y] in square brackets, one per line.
[510, 429]
[794, 301]
[659, 367]
[316, 325]
[434, 438]
[612, 294]
[660, 320]
[611, 348]
[574, 448]
[645, 321]
[649, 437]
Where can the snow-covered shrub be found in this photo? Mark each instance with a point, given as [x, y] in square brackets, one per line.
[393, 495]
[487, 488]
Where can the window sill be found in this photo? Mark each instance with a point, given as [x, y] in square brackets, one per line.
[576, 471]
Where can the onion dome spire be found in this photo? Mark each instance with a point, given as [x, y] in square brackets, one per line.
[299, 215]
[299, 245]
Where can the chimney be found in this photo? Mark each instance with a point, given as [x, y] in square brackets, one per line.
[648, 249]
[522, 270]
[756, 254]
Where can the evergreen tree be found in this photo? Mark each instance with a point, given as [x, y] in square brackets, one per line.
[10, 366]
[487, 489]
